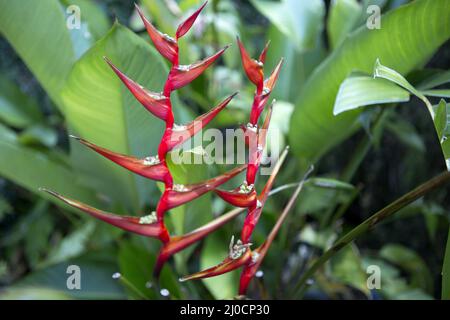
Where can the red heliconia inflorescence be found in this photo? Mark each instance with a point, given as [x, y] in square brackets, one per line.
[155, 167]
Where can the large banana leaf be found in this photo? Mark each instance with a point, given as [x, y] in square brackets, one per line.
[37, 31]
[408, 36]
[300, 21]
[32, 169]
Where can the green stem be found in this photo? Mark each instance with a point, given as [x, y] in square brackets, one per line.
[369, 224]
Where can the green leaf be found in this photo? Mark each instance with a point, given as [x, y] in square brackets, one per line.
[96, 282]
[16, 108]
[136, 261]
[37, 227]
[384, 72]
[438, 93]
[406, 133]
[37, 31]
[329, 183]
[411, 262]
[343, 15]
[314, 129]
[322, 193]
[297, 66]
[440, 121]
[92, 16]
[435, 80]
[100, 109]
[360, 90]
[38, 135]
[446, 272]
[347, 267]
[72, 246]
[32, 169]
[442, 125]
[439, 114]
[300, 21]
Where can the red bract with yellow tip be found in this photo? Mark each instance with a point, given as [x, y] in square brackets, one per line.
[244, 196]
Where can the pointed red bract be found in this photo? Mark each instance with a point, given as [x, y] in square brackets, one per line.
[257, 149]
[181, 134]
[261, 100]
[148, 167]
[225, 266]
[187, 24]
[238, 198]
[252, 67]
[165, 45]
[252, 217]
[252, 267]
[178, 243]
[262, 56]
[180, 194]
[182, 75]
[133, 224]
[154, 102]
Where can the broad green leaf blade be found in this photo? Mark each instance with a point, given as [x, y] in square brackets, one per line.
[16, 108]
[297, 67]
[439, 114]
[445, 93]
[359, 90]
[100, 109]
[441, 121]
[32, 169]
[136, 262]
[343, 16]
[300, 21]
[435, 80]
[72, 246]
[384, 72]
[410, 262]
[96, 282]
[39, 135]
[37, 30]
[446, 272]
[347, 267]
[442, 125]
[95, 19]
[329, 183]
[314, 129]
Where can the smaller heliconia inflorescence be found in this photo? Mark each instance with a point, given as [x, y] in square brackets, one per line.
[244, 196]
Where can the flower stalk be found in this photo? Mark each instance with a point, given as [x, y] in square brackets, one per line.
[155, 167]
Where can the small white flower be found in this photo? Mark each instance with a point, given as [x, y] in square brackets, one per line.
[236, 250]
[148, 219]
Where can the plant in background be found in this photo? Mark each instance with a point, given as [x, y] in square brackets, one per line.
[174, 195]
